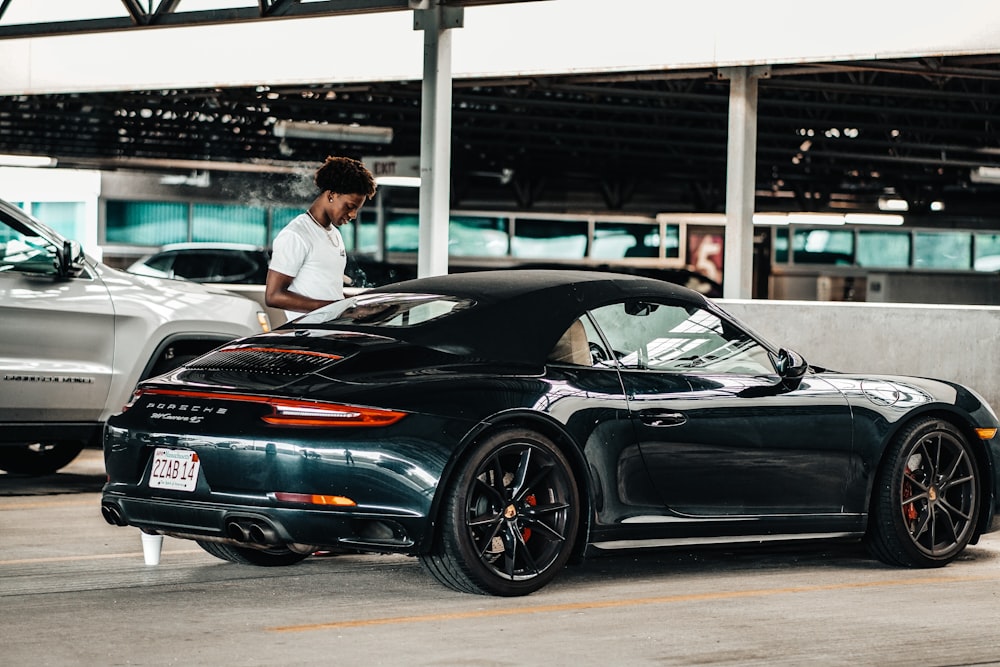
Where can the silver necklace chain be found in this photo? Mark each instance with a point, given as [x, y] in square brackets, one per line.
[332, 238]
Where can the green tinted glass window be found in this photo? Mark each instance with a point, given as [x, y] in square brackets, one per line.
[402, 232]
[477, 236]
[942, 250]
[67, 218]
[987, 252]
[823, 246]
[146, 223]
[781, 245]
[883, 249]
[614, 240]
[549, 239]
[229, 224]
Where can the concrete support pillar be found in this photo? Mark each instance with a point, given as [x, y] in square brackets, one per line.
[741, 179]
[435, 133]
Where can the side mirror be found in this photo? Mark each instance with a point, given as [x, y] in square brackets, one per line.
[70, 259]
[790, 365]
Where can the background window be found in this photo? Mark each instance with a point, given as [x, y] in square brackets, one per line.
[614, 240]
[942, 250]
[228, 224]
[478, 236]
[146, 223]
[67, 218]
[987, 252]
[823, 246]
[883, 249]
[549, 239]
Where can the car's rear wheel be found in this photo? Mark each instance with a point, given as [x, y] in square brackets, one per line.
[510, 517]
[248, 556]
[927, 497]
[40, 458]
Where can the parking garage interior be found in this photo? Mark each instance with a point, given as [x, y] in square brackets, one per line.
[912, 135]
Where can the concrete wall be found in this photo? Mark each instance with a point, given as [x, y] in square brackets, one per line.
[958, 343]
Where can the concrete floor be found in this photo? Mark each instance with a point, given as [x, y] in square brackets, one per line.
[76, 591]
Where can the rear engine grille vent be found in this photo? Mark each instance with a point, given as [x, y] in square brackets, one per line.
[264, 360]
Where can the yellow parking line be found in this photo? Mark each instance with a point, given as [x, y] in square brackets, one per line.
[611, 604]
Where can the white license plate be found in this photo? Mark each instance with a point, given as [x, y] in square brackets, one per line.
[175, 469]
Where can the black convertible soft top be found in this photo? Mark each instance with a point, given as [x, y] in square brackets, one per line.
[519, 314]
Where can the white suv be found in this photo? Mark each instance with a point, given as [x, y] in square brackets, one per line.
[76, 336]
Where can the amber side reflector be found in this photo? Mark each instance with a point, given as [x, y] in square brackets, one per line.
[314, 499]
[986, 433]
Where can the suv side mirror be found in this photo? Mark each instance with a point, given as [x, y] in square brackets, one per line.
[70, 259]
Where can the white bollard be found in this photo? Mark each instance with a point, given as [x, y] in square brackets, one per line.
[151, 546]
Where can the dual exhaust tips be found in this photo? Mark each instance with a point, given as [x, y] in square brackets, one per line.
[248, 530]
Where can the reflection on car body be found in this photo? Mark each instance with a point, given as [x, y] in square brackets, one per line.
[500, 422]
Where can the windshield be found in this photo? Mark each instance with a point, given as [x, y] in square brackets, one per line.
[387, 310]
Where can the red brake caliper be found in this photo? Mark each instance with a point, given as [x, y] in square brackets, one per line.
[911, 509]
[526, 533]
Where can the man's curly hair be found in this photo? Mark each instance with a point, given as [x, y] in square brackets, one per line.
[346, 177]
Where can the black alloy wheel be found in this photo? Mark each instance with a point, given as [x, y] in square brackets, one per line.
[40, 458]
[927, 497]
[510, 517]
[275, 557]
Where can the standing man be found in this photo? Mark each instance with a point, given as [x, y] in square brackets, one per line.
[308, 259]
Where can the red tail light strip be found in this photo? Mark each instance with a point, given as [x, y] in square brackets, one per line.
[292, 412]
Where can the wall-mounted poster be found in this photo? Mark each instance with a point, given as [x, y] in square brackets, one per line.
[705, 251]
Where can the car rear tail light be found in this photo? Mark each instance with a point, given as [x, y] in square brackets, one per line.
[314, 499]
[303, 413]
[292, 412]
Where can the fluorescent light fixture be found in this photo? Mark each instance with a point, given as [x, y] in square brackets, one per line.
[873, 219]
[985, 175]
[892, 204]
[27, 161]
[365, 134]
[399, 181]
[770, 218]
[815, 219]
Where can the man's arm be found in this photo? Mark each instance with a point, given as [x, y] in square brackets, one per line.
[277, 295]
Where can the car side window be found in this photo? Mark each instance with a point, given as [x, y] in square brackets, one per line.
[581, 345]
[680, 338]
[21, 250]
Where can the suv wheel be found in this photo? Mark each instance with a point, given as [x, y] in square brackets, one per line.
[40, 458]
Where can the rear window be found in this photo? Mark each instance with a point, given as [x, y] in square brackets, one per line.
[387, 310]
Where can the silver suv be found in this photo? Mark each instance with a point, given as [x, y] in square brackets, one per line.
[76, 336]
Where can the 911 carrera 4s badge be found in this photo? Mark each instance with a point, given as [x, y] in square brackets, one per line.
[175, 469]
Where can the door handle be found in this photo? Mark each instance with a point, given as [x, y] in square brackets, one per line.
[657, 418]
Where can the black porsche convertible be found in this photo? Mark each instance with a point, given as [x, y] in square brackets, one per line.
[497, 424]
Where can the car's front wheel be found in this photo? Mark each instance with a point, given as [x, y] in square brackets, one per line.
[510, 517]
[40, 458]
[926, 499]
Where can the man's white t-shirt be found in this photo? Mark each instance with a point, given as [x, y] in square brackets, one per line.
[314, 257]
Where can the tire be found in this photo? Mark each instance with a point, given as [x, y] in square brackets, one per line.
[509, 519]
[40, 458]
[926, 500]
[249, 556]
